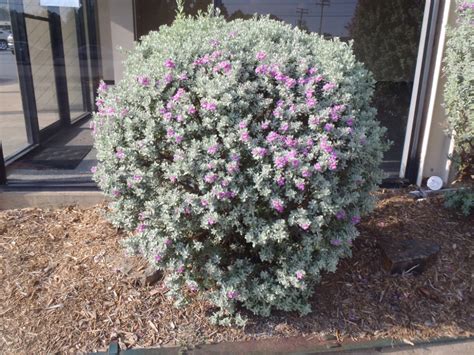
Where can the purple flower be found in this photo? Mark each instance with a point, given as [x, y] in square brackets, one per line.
[99, 102]
[209, 106]
[300, 186]
[201, 61]
[170, 132]
[173, 178]
[261, 69]
[232, 295]
[310, 102]
[328, 127]
[350, 121]
[233, 167]
[280, 162]
[192, 287]
[336, 242]
[290, 82]
[272, 136]
[179, 93]
[213, 149]
[102, 86]
[259, 152]
[94, 169]
[116, 193]
[210, 178]
[178, 139]
[169, 63]
[210, 166]
[244, 136]
[141, 228]
[204, 202]
[261, 55]
[306, 173]
[168, 78]
[235, 157]
[119, 154]
[313, 120]
[325, 146]
[299, 275]
[329, 86]
[265, 125]
[180, 269]
[191, 110]
[284, 127]
[225, 66]
[211, 221]
[340, 215]
[305, 226]
[158, 258]
[312, 70]
[143, 80]
[332, 162]
[183, 76]
[290, 142]
[278, 205]
[317, 167]
[242, 124]
[281, 181]
[137, 178]
[355, 220]
[168, 242]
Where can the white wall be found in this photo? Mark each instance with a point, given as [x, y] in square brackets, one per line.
[116, 31]
[437, 145]
[105, 36]
[121, 27]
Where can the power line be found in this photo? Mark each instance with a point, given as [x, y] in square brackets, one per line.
[322, 3]
[301, 11]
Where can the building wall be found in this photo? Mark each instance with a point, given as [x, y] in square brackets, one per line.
[105, 35]
[437, 144]
[116, 35]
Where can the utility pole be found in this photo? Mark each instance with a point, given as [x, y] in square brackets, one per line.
[322, 3]
[301, 11]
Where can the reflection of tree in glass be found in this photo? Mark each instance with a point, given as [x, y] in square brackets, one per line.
[386, 35]
[240, 14]
[151, 14]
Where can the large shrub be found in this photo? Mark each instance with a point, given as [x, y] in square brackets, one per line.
[459, 88]
[240, 156]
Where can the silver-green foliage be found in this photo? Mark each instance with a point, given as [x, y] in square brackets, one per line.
[459, 87]
[240, 156]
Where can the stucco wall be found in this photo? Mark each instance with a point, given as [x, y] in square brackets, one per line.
[437, 145]
[116, 31]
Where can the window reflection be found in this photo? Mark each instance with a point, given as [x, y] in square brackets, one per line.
[385, 33]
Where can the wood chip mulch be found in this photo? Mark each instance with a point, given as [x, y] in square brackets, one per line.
[65, 286]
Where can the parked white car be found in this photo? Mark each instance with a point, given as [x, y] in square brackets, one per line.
[4, 40]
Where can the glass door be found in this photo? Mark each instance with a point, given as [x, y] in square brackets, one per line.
[38, 27]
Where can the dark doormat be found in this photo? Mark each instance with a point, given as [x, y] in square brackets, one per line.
[64, 158]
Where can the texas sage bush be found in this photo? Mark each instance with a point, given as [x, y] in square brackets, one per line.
[240, 155]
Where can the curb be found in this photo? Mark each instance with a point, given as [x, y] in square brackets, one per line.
[301, 345]
[49, 199]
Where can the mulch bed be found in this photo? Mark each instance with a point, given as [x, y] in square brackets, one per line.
[64, 287]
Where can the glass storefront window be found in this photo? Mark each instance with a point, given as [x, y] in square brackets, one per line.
[12, 122]
[386, 36]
